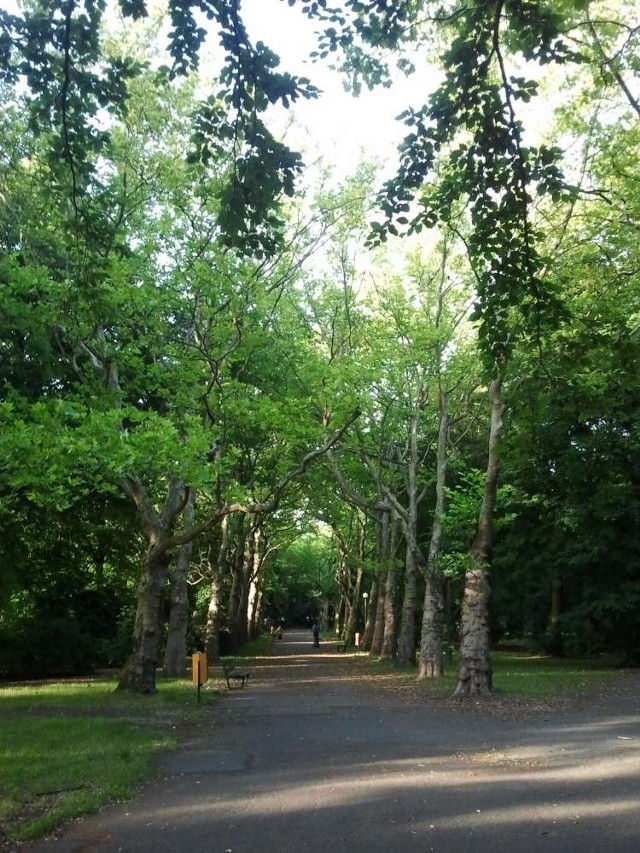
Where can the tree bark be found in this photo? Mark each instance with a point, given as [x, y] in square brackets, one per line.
[378, 625]
[475, 673]
[175, 652]
[255, 582]
[408, 518]
[218, 561]
[407, 640]
[431, 663]
[390, 635]
[237, 623]
[139, 671]
[377, 606]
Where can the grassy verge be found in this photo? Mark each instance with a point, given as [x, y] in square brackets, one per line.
[262, 645]
[540, 677]
[516, 674]
[67, 748]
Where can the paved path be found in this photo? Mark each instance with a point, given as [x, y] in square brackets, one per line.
[303, 762]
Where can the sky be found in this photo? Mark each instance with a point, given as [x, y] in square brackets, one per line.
[343, 129]
[338, 126]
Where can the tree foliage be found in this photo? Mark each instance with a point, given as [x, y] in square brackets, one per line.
[170, 329]
[57, 50]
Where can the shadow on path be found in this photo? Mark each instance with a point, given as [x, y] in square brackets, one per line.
[303, 761]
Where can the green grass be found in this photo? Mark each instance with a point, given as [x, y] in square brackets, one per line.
[256, 648]
[540, 677]
[518, 674]
[67, 748]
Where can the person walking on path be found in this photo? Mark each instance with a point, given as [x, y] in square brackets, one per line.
[315, 630]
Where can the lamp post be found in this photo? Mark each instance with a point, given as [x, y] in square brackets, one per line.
[365, 596]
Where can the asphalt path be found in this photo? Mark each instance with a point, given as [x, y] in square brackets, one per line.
[303, 761]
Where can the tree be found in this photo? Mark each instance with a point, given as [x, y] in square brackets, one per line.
[58, 51]
[135, 401]
[470, 131]
[572, 455]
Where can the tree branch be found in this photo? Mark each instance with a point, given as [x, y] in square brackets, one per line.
[270, 505]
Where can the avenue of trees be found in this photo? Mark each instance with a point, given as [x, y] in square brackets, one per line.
[233, 390]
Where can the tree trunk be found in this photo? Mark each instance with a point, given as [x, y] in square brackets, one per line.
[337, 621]
[407, 639]
[390, 637]
[431, 663]
[377, 606]
[408, 518]
[371, 615]
[237, 625]
[253, 608]
[139, 671]
[378, 624]
[475, 674]
[218, 564]
[254, 582]
[175, 652]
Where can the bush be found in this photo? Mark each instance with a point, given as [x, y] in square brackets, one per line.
[46, 647]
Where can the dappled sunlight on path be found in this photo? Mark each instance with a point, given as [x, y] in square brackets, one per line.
[319, 752]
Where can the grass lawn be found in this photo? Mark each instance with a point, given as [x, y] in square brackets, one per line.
[516, 675]
[538, 676]
[67, 748]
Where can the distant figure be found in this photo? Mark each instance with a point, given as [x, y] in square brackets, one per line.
[279, 632]
[315, 630]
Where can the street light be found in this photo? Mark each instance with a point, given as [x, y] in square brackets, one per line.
[365, 596]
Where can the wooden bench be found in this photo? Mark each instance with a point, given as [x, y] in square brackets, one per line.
[231, 673]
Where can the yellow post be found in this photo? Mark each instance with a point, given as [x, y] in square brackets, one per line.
[199, 668]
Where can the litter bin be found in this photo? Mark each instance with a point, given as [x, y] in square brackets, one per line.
[356, 640]
[199, 668]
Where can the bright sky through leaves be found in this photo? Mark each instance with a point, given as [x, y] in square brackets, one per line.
[339, 127]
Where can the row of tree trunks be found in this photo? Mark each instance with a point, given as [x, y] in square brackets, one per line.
[383, 638]
[352, 551]
[139, 672]
[238, 550]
